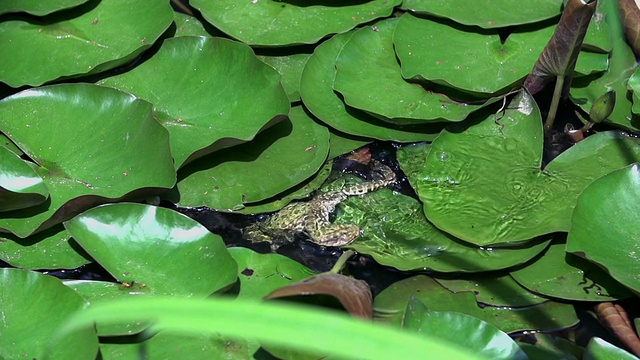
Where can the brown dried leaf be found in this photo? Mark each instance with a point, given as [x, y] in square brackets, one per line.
[561, 53]
[616, 320]
[630, 13]
[354, 295]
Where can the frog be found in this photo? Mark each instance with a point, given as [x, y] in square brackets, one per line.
[311, 217]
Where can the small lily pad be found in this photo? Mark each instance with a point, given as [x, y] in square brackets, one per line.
[213, 93]
[118, 150]
[392, 303]
[20, 186]
[133, 241]
[278, 23]
[99, 38]
[38, 305]
[318, 96]
[566, 276]
[278, 159]
[369, 78]
[604, 225]
[483, 182]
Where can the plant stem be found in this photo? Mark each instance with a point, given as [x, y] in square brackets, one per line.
[337, 267]
[557, 93]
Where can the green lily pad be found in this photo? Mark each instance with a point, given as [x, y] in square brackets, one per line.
[488, 13]
[48, 249]
[395, 232]
[463, 330]
[300, 191]
[369, 78]
[92, 144]
[277, 159]
[318, 96]
[260, 274]
[604, 225]
[290, 67]
[34, 306]
[500, 290]
[97, 39]
[566, 276]
[473, 62]
[277, 23]
[392, 302]
[622, 64]
[36, 7]
[213, 93]
[133, 241]
[20, 186]
[95, 292]
[187, 25]
[483, 183]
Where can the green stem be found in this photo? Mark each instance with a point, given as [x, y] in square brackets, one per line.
[342, 260]
[557, 94]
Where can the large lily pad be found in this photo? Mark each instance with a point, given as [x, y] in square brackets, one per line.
[318, 96]
[369, 78]
[97, 39]
[34, 306]
[566, 276]
[473, 62]
[604, 225]
[392, 303]
[91, 143]
[277, 159]
[277, 23]
[20, 186]
[395, 232]
[133, 241]
[483, 182]
[487, 13]
[213, 93]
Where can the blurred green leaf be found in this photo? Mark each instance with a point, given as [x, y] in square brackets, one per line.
[34, 306]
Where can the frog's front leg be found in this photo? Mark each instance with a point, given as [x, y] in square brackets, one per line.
[335, 234]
